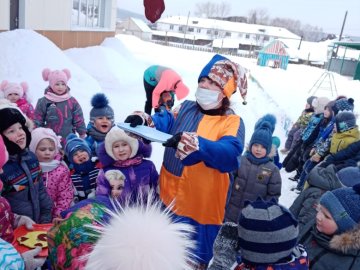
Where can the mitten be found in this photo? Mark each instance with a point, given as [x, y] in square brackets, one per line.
[3, 153]
[23, 220]
[188, 144]
[139, 118]
[173, 141]
[225, 247]
[30, 261]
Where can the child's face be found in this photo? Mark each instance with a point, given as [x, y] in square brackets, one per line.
[327, 113]
[117, 187]
[60, 88]
[102, 124]
[121, 150]
[45, 150]
[13, 97]
[325, 222]
[258, 150]
[16, 134]
[80, 156]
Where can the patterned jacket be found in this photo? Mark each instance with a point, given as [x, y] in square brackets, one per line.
[6, 221]
[59, 187]
[24, 187]
[62, 117]
[26, 108]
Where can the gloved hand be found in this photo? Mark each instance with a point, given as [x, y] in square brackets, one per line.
[134, 120]
[4, 156]
[23, 220]
[30, 261]
[225, 247]
[173, 141]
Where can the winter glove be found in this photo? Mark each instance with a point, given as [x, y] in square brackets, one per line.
[225, 247]
[173, 141]
[4, 156]
[139, 118]
[30, 261]
[23, 220]
[185, 143]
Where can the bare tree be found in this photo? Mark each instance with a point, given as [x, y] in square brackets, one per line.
[212, 9]
[258, 16]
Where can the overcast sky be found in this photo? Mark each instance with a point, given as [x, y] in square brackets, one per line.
[327, 14]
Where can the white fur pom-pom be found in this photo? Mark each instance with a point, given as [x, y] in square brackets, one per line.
[142, 236]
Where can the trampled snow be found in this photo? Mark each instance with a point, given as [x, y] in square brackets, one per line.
[116, 68]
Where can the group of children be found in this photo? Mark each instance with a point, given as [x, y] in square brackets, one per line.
[48, 173]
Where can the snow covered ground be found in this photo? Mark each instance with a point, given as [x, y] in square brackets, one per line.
[116, 68]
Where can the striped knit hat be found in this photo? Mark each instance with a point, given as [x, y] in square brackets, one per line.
[267, 232]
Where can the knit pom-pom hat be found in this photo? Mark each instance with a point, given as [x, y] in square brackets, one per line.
[14, 88]
[56, 76]
[100, 104]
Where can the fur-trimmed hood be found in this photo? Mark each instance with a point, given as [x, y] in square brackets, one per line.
[347, 241]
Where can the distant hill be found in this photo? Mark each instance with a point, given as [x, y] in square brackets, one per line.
[123, 14]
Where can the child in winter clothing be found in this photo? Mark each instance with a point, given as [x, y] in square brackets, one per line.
[257, 174]
[321, 146]
[10, 258]
[266, 238]
[58, 110]
[294, 134]
[126, 155]
[84, 171]
[16, 93]
[101, 121]
[21, 175]
[161, 84]
[56, 175]
[332, 238]
[296, 158]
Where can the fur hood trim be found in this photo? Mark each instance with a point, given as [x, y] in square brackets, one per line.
[349, 240]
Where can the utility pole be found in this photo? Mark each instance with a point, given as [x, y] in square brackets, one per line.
[186, 27]
[341, 32]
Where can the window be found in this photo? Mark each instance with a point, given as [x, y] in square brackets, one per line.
[172, 27]
[88, 13]
[247, 36]
[191, 29]
[227, 34]
[198, 30]
[266, 38]
[181, 28]
[208, 32]
[216, 32]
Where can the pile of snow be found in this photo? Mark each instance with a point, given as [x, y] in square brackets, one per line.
[116, 68]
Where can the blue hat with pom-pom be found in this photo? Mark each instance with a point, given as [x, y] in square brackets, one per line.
[264, 129]
[101, 107]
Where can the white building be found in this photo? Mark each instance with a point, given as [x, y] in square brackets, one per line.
[218, 33]
[68, 23]
[135, 27]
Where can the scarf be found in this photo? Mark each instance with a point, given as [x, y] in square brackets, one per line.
[85, 167]
[56, 98]
[49, 166]
[97, 135]
[255, 160]
[129, 162]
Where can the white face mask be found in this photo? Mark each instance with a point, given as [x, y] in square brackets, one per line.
[208, 99]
